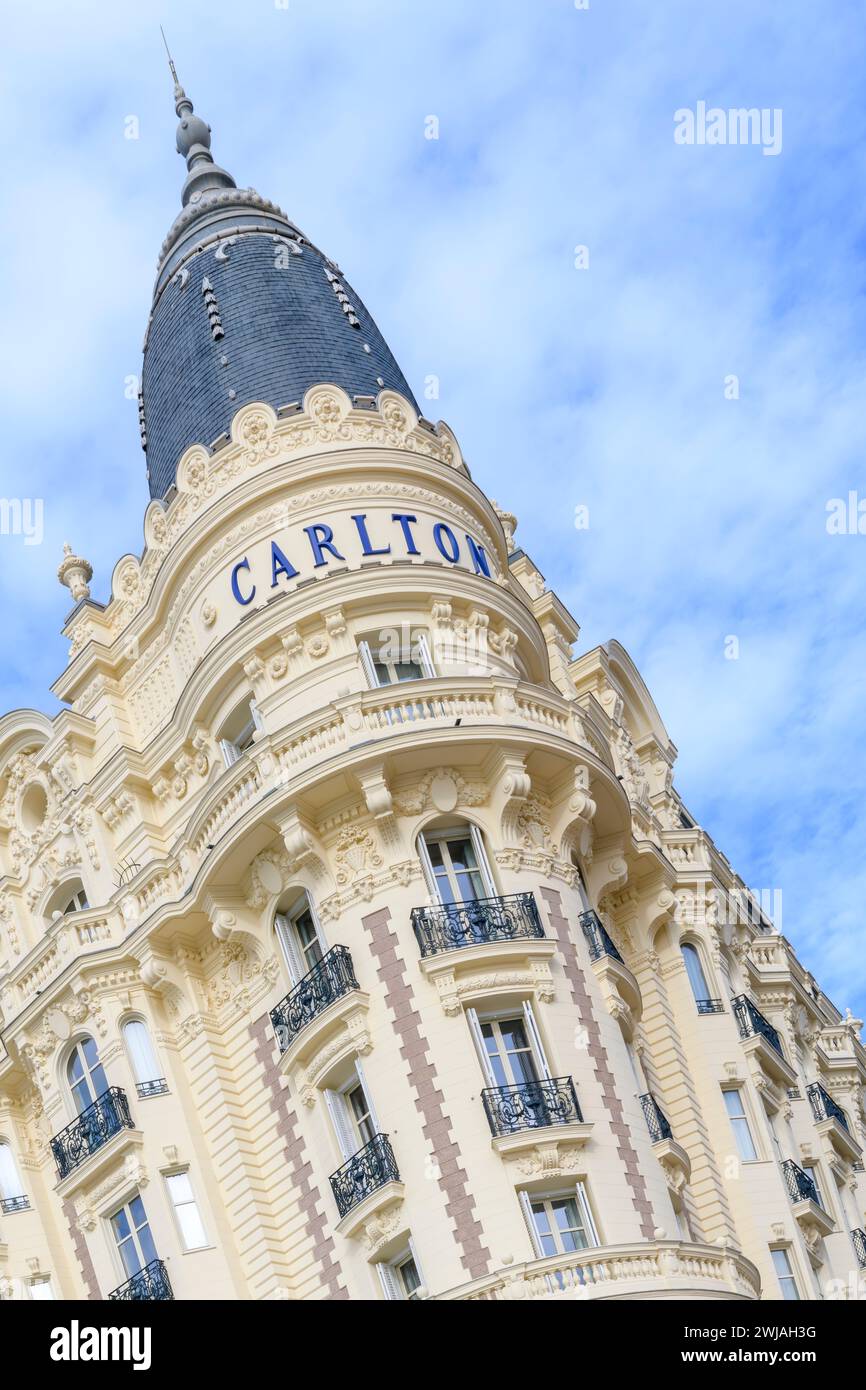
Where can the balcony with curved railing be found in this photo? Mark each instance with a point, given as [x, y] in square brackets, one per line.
[656, 1120]
[859, 1239]
[831, 1122]
[91, 1130]
[615, 977]
[762, 1039]
[149, 1285]
[531, 1105]
[330, 979]
[597, 939]
[456, 926]
[368, 1172]
[806, 1200]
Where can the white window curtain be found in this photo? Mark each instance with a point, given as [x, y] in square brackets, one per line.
[145, 1066]
[535, 1040]
[10, 1181]
[343, 1129]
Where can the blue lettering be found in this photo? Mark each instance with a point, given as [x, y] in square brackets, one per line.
[321, 539]
[440, 530]
[406, 522]
[280, 565]
[243, 564]
[361, 523]
[478, 554]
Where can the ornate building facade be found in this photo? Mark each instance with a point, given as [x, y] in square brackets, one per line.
[354, 940]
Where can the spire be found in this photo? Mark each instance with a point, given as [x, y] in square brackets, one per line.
[193, 143]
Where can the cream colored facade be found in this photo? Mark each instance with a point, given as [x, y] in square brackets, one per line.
[245, 1050]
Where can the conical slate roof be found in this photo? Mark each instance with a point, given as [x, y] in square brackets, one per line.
[245, 308]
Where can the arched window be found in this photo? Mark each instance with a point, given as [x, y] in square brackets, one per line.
[85, 1075]
[145, 1067]
[11, 1186]
[695, 972]
[69, 897]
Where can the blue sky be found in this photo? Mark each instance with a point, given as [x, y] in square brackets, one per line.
[602, 387]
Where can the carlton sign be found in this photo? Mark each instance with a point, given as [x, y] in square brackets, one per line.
[348, 542]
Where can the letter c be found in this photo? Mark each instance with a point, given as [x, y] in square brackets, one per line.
[243, 564]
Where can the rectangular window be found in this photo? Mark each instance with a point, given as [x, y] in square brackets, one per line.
[391, 663]
[455, 865]
[785, 1275]
[401, 1278]
[300, 938]
[41, 1290]
[186, 1210]
[560, 1224]
[740, 1125]
[132, 1236]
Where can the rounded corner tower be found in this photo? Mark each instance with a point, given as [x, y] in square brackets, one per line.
[245, 308]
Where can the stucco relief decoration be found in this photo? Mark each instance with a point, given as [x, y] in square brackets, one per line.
[444, 789]
[356, 855]
[253, 429]
[631, 769]
[269, 874]
[533, 825]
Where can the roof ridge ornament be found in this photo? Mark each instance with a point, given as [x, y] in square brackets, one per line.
[193, 144]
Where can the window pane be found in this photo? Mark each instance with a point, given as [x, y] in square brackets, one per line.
[144, 1064]
[10, 1182]
[191, 1227]
[41, 1290]
[120, 1222]
[409, 1274]
[695, 972]
[180, 1188]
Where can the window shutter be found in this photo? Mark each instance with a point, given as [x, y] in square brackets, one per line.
[291, 950]
[427, 867]
[390, 1283]
[424, 656]
[583, 1204]
[414, 1254]
[530, 1224]
[481, 856]
[256, 717]
[311, 907]
[478, 1039]
[229, 752]
[346, 1137]
[359, 1072]
[367, 663]
[535, 1038]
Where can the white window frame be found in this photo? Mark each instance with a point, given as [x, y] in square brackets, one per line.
[233, 749]
[368, 659]
[113, 1211]
[702, 966]
[131, 1051]
[205, 1243]
[393, 1288]
[41, 1281]
[285, 926]
[343, 1120]
[463, 830]
[579, 1195]
[10, 1174]
[790, 1275]
[533, 1037]
[745, 1118]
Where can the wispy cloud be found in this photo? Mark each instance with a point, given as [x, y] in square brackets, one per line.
[602, 386]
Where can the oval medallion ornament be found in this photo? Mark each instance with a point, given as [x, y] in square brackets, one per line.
[443, 792]
[59, 1024]
[269, 876]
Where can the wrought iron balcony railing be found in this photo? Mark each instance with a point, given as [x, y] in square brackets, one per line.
[328, 980]
[10, 1204]
[370, 1168]
[824, 1106]
[597, 939]
[751, 1022]
[448, 926]
[656, 1120]
[531, 1105]
[710, 1006]
[107, 1116]
[157, 1087]
[149, 1285]
[859, 1239]
[801, 1188]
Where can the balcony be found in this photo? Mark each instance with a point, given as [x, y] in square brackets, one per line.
[806, 1202]
[366, 1185]
[93, 1128]
[157, 1087]
[597, 939]
[859, 1239]
[8, 1205]
[709, 1006]
[656, 1119]
[321, 1023]
[149, 1285]
[531, 1105]
[762, 1040]
[618, 984]
[454, 926]
[831, 1122]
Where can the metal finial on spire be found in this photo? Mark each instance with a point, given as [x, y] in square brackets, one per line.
[181, 100]
[193, 143]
